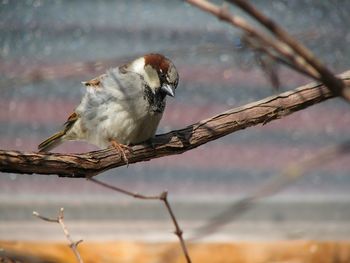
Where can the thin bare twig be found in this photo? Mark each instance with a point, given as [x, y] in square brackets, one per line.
[264, 40]
[162, 197]
[269, 67]
[255, 45]
[60, 220]
[289, 49]
[327, 77]
[275, 184]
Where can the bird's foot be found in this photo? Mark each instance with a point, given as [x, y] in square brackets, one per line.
[121, 148]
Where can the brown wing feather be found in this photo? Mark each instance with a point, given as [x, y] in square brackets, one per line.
[56, 139]
[95, 83]
[70, 121]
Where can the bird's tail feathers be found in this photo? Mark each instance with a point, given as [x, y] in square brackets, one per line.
[57, 138]
[52, 142]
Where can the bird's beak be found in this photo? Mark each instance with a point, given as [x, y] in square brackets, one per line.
[168, 89]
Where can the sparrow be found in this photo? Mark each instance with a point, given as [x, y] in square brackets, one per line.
[121, 107]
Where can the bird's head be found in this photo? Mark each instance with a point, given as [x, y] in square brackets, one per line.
[158, 72]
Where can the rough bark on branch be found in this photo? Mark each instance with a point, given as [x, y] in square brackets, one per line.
[175, 142]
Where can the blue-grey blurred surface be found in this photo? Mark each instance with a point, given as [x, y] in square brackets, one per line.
[48, 47]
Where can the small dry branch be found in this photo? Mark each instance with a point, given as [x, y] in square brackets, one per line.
[162, 197]
[60, 220]
[280, 46]
[326, 76]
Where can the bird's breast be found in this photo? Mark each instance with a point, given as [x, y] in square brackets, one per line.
[124, 121]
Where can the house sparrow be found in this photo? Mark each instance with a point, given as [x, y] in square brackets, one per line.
[122, 107]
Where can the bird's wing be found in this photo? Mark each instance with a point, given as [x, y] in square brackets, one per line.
[56, 139]
[70, 121]
[123, 85]
[95, 82]
[117, 84]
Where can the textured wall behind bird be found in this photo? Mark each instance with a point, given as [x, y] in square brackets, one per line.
[48, 48]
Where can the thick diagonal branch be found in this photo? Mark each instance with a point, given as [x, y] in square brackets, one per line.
[175, 142]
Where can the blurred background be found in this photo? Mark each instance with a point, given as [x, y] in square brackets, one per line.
[48, 47]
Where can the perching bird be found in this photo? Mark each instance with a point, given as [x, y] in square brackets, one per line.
[122, 107]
